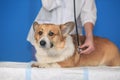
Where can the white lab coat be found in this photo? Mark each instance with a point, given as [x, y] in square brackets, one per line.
[62, 11]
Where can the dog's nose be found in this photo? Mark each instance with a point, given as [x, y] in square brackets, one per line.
[42, 43]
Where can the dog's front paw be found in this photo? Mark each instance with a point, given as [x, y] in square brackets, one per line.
[45, 65]
[35, 65]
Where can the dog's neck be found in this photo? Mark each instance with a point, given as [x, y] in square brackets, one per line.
[60, 44]
[62, 47]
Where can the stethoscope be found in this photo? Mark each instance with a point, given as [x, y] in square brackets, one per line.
[77, 34]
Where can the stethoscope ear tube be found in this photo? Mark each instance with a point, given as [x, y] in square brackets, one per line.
[76, 27]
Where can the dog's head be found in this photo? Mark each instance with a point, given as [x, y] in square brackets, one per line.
[51, 35]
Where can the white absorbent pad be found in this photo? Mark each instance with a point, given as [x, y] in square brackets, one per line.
[24, 71]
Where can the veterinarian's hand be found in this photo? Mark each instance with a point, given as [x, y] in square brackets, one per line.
[87, 47]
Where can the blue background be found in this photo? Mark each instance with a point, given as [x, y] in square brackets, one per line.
[16, 17]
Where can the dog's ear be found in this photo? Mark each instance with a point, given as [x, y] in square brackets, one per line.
[67, 28]
[35, 25]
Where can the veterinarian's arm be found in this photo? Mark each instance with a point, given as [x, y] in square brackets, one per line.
[51, 4]
[88, 18]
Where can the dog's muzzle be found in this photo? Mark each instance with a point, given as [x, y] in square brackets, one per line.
[44, 44]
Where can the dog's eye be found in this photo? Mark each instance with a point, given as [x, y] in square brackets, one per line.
[51, 33]
[40, 32]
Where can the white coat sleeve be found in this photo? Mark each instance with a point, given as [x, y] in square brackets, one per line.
[88, 12]
[51, 4]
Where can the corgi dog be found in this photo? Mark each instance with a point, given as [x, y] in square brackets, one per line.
[55, 47]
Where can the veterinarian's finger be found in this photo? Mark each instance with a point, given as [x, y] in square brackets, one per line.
[86, 51]
[82, 46]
